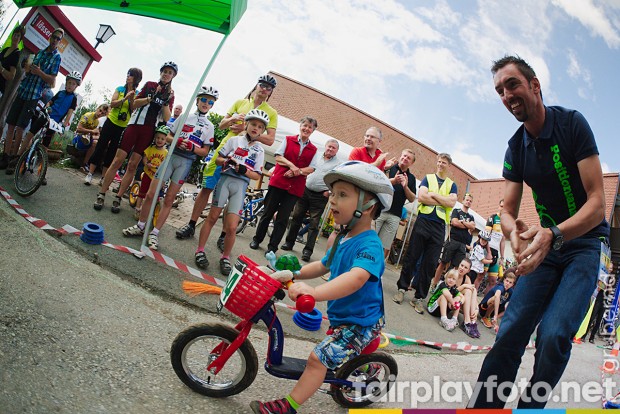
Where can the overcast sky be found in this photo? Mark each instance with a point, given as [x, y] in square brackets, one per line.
[420, 66]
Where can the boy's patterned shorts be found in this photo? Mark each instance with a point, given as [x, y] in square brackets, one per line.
[344, 343]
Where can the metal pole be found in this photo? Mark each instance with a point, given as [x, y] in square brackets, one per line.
[405, 239]
[173, 144]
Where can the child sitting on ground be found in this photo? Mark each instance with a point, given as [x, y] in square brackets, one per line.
[496, 300]
[446, 296]
[241, 159]
[359, 192]
[154, 155]
[195, 140]
[470, 299]
[480, 256]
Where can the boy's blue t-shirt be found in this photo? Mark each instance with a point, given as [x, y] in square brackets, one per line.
[505, 294]
[61, 103]
[364, 307]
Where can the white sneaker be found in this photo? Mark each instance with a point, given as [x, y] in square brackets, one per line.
[100, 181]
[134, 230]
[153, 242]
[88, 179]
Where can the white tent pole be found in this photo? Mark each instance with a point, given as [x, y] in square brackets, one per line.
[166, 162]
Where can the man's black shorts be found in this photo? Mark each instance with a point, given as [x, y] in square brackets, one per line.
[453, 252]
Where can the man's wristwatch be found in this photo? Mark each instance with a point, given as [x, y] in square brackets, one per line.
[558, 238]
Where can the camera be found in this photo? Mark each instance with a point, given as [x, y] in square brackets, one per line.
[122, 116]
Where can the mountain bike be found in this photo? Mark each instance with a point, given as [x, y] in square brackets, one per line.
[218, 361]
[32, 164]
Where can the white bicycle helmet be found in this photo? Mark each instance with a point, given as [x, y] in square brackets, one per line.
[75, 75]
[171, 65]
[268, 79]
[258, 114]
[485, 235]
[368, 178]
[208, 90]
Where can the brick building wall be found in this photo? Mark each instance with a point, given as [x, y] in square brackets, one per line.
[346, 123]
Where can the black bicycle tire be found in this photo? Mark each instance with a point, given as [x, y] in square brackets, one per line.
[338, 393]
[40, 152]
[188, 336]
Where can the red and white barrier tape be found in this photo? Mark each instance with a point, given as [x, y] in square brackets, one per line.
[159, 257]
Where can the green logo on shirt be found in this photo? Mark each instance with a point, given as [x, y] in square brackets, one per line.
[563, 177]
[507, 166]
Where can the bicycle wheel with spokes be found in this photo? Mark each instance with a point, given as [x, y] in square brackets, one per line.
[372, 376]
[196, 347]
[30, 172]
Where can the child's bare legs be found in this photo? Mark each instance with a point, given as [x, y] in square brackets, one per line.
[145, 205]
[108, 177]
[90, 152]
[171, 193]
[25, 143]
[479, 279]
[205, 231]
[310, 380]
[491, 281]
[230, 228]
[466, 306]
[438, 272]
[443, 306]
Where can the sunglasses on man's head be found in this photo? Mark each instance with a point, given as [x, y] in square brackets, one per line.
[207, 100]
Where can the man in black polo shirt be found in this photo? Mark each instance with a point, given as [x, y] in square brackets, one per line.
[555, 154]
[455, 248]
[404, 190]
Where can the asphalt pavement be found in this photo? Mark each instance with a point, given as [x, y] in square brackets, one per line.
[66, 200]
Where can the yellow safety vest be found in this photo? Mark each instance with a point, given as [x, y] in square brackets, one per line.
[433, 187]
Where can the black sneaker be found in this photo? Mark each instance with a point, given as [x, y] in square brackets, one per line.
[201, 260]
[287, 246]
[225, 266]
[116, 205]
[99, 202]
[4, 161]
[220, 244]
[305, 256]
[185, 232]
[10, 169]
[254, 244]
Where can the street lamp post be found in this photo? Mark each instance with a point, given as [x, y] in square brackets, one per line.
[104, 33]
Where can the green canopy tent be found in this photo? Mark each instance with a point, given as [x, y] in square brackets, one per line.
[219, 16]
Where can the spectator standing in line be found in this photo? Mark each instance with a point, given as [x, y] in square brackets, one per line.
[234, 121]
[176, 112]
[313, 201]
[154, 100]
[404, 190]
[39, 74]
[295, 160]
[455, 248]
[370, 154]
[554, 152]
[494, 226]
[436, 198]
[116, 122]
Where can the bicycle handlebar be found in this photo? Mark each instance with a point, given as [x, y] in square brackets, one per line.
[303, 303]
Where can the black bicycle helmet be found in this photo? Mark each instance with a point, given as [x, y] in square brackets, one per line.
[171, 65]
[269, 80]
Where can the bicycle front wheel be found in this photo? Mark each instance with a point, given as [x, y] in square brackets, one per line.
[196, 347]
[30, 172]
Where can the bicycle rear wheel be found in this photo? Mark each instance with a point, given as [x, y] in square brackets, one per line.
[372, 375]
[196, 347]
[29, 173]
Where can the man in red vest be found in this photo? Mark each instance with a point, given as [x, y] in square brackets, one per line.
[295, 159]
